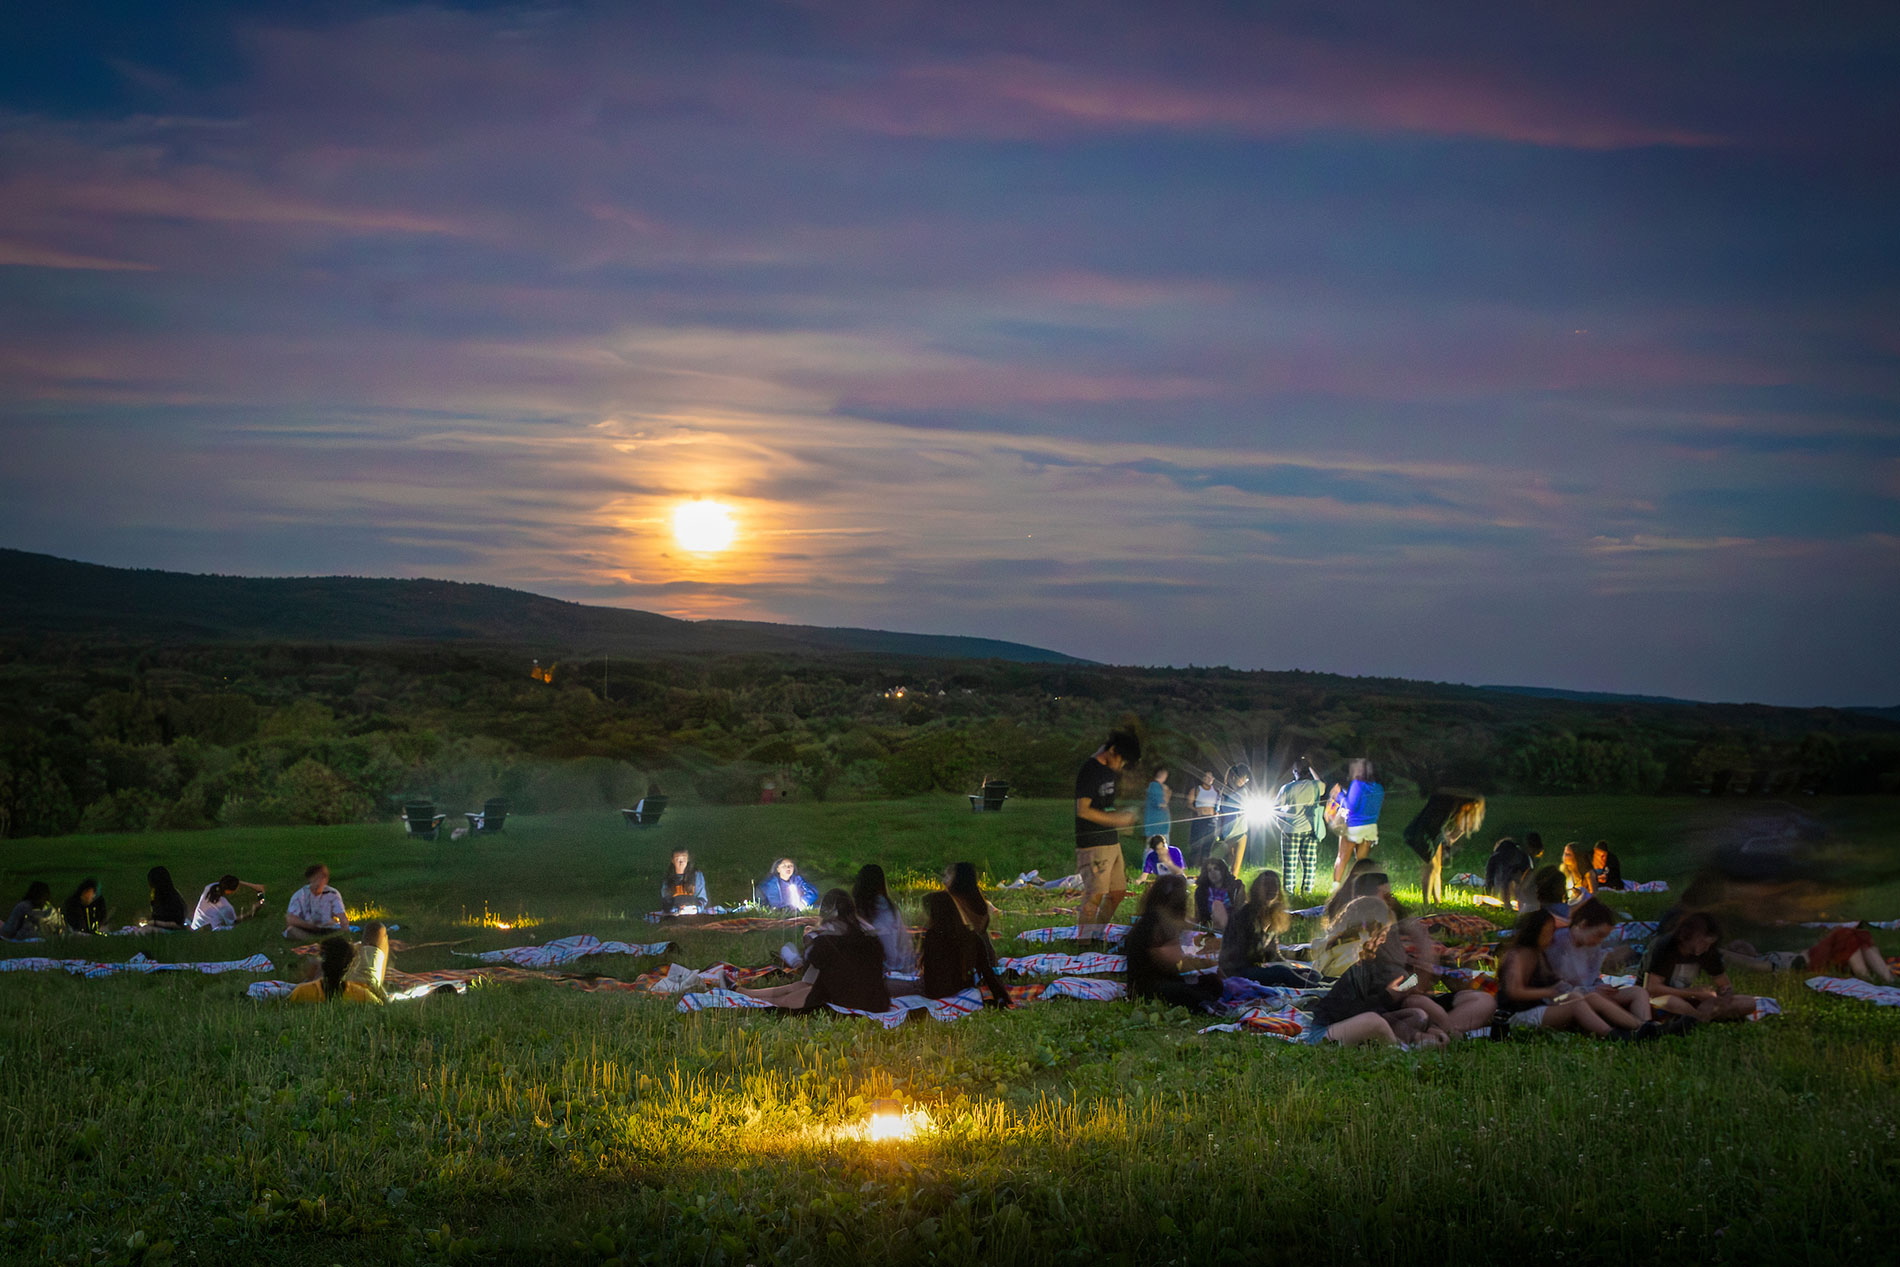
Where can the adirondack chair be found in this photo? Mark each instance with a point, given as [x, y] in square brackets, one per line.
[494, 813]
[990, 799]
[421, 819]
[646, 813]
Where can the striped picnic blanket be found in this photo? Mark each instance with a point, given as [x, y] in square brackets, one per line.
[953, 1008]
[563, 950]
[1647, 886]
[137, 963]
[1278, 1022]
[1057, 964]
[1466, 880]
[1113, 933]
[1464, 927]
[1855, 988]
[1888, 924]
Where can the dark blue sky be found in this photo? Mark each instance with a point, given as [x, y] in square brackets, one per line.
[1453, 342]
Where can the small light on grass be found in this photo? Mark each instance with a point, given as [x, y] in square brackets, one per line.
[889, 1120]
[493, 919]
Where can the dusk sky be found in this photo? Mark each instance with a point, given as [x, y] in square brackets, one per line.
[1465, 343]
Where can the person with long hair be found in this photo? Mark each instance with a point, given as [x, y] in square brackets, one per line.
[953, 957]
[959, 881]
[1217, 894]
[85, 910]
[1098, 848]
[1356, 815]
[1577, 954]
[683, 890]
[1578, 881]
[1543, 890]
[1157, 963]
[844, 965]
[1343, 893]
[215, 910]
[784, 889]
[1457, 1011]
[168, 904]
[333, 986]
[1250, 947]
[1531, 995]
[28, 913]
[1344, 941]
[1677, 956]
[872, 896]
[1367, 1003]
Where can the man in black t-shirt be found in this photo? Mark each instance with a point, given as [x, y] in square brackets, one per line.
[1098, 850]
[1677, 958]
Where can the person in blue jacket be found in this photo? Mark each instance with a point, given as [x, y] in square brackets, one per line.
[1356, 808]
[785, 889]
[1156, 818]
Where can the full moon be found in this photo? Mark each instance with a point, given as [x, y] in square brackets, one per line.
[704, 527]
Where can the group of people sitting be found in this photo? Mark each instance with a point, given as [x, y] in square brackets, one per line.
[683, 890]
[1513, 873]
[315, 910]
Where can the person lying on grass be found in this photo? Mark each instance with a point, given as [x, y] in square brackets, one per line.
[1157, 963]
[786, 890]
[844, 965]
[872, 896]
[28, 913]
[683, 891]
[1578, 953]
[168, 904]
[1250, 947]
[1678, 957]
[85, 910]
[1217, 895]
[1848, 950]
[371, 963]
[953, 956]
[1366, 1004]
[1530, 994]
[316, 910]
[215, 909]
[334, 986]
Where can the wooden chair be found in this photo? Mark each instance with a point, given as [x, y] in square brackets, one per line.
[990, 799]
[646, 813]
[422, 820]
[493, 815]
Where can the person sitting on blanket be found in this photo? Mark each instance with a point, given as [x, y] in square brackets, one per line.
[1850, 950]
[28, 913]
[1366, 1004]
[953, 956]
[1156, 961]
[168, 904]
[785, 889]
[315, 910]
[1343, 943]
[1250, 947]
[1162, 858]
[1543, 890]
[1577, 956]
[1606, 869]
[844, 965]
[1456, 1010]
[333, 986]
[1509, 863]
[1531, 995]
[85, 910]
[872, 897]
[683, 891]
[1217, 895]
[1578, 880]
[959, 881]
[1674, 961]
[215, 909]
[371, 963]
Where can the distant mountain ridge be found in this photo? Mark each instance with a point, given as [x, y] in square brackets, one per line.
[41, 594]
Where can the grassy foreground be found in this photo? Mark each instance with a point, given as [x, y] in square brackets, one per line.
[166, 1118]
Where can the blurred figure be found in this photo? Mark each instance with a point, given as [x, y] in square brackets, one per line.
[168, 904]
[85, 910]
[1217, 895]
[1203, 802]
[332, 986]
[1157, 819]
[1157, 964]
[1356, 815]
[1850, 950]
[28, 913]
[953, 957]
[1676, 958]
[1531, 994]
[872, 896]
[315, 910]
[1302, 820]
[371, 963]
[1250, 947]
[1098, 850]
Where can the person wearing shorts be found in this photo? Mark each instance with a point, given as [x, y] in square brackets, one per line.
[1358, 811]
[1098, 850]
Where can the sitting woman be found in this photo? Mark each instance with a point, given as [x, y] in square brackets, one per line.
[1543, 890]
[1217, 895]
[1849, 950]
[1162, 858]
[24, 922]
[872, 897]
[1578, 881]
[85, 910]
[785, 889]
[371, 964]
[1345, 940]
[1156, 960]
[1606, 869]
[1577, 955]
[1456, 1011]
[959, 881]
[215, 910]
[1366, 1004]
[953, 956]
[334, 986]
[1250, 947]
[1531, 995]
[843, 965]
[1677, 957]
[683, 891]
[168, 904]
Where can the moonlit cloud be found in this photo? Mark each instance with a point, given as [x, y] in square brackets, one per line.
[1334, 337]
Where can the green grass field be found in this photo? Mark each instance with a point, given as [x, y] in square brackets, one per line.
[167, 1118]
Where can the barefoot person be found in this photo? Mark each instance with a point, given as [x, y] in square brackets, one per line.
[1098, 850]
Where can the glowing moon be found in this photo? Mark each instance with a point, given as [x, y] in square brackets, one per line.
[704, 527]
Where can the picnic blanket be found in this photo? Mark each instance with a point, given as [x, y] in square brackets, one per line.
[1647, 886]
[563, 950]
[953, 1008]
[1278, 1022]
[1889, 924]
[1311, 912]
[1631, 931]
[1057, 964]
[137, 963]
[1113, 933]
[1466, 927]
[1466, 880]
[754, 923]
[1855, 988]
[1034, 880]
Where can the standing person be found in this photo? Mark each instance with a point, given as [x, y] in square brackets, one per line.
[1098, 850]
[1230, 826]
[1302, 820]
[85, 910]
[1250, 947]
[1203, 801]
[1359, 809]
[24, 923]
[683, 891]
[872, 896]
[1448, 817]
[316, 910]
[168, 904]
[215, 910]
[1157, 820]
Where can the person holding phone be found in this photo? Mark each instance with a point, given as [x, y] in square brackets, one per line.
[1531, 996]
[1367, 1003]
